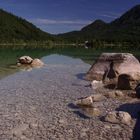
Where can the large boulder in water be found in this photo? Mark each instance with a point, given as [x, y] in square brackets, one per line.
[119, 67]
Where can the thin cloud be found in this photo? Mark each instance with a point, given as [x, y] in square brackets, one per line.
[110, 15]
[41, 21]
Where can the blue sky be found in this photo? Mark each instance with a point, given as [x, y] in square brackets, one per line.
[58, 16]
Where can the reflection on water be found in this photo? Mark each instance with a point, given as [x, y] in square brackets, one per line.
[8, 70]
[8, 64]
[8, 57]
[60, 59]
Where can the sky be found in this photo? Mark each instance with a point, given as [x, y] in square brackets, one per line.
[59, 16]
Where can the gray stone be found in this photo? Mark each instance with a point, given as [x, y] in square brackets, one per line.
[87, 101]
[91, 112]
[96, 84]
[97, 97]
[115, 94]
[25, 60]
[118, 117]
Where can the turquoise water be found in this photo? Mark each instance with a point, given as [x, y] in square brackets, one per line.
[8, 57]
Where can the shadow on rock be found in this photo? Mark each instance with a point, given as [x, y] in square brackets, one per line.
[110, 86]
[134, 110]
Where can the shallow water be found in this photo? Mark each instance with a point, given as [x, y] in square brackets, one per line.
[53, 56]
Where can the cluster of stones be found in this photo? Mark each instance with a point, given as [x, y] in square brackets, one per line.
[27, 60]
[122, 70]
[112, 117]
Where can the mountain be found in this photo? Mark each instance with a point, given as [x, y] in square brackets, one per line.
[16, 28]
[130, 17]
[124, 28]
[87, 32]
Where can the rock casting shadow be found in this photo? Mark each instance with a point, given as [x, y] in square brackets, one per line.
[134, 110]
[77, 111]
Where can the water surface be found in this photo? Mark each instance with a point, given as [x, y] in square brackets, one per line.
[8, 57]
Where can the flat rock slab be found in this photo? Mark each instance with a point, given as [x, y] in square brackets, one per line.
[35, 104]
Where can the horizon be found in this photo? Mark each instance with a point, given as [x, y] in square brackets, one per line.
[66, 15]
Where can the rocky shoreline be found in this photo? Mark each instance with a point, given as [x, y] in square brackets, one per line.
[39, 105]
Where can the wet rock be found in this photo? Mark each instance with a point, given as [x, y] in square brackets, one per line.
[115, 94]
[25, 60]
[18, 131]
[97, 97]
[37, 63]
[119, 117]
[110, 66]
[119, 93]
[110, 95]
[96, 84]
[91, 112]
[87, 101]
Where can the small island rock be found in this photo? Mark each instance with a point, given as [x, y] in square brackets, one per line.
[25, 60]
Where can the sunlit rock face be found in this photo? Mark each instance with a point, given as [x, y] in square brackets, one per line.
[25, 60]
[119, 68]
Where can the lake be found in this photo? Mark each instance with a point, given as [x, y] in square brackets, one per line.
[40, 103]
[8, 57]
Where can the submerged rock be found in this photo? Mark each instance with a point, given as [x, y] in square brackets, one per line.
[87, 101]
[118, 117]
[117, 68]
[37, 63]
[97, 97]
[96, 84]
[115, 94]
[91, 112]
